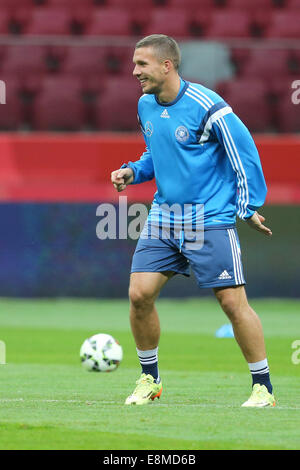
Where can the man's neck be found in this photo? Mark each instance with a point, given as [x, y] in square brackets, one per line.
[169, 91]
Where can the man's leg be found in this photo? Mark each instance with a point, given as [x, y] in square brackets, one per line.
[143, 290]
[246, 324]
[248, 332]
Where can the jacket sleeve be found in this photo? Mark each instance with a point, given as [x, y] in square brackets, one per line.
[143, 169]
[240, 148]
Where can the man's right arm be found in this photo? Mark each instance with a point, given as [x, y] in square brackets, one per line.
[143, 169]
[134, 172]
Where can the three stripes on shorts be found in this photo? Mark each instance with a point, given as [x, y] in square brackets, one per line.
[236, 256]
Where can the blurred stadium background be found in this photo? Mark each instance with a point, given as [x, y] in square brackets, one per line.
[70, 119]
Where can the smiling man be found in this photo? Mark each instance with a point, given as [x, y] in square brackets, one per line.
[153, 78]
[201, 155]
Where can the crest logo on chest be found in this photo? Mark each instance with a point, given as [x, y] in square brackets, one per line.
[182, 134]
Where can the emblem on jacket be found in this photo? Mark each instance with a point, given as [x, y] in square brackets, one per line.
[182, 134]
[149, 128]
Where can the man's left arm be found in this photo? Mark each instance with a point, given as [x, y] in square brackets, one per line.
[241, 150]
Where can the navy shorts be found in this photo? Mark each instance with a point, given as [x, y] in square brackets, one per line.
[216, 264]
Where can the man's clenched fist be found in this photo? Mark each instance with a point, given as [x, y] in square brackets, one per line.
[121, 178]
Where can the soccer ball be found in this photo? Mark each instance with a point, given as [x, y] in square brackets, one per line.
[101, 353]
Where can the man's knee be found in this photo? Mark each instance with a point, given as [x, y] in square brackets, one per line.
[229, 304]
[141, 298]
[145, 287]
[233, 303]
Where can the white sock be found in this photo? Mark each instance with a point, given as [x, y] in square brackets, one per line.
[260, 367]
[149, 362]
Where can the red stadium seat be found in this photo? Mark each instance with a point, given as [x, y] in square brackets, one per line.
[25, 60]
[79, 10]
[49, 21]
[265, 63]
[10, 4]
[239, 57]
[292, 4]
[258, 10]
[109, 21]
[59, 105]
[172, 22]
[116, 109]
[252, 6]
[287, 112]
[11, 114]
[120, 59]
[229, 23]
[130, 4]
[248, 99]
[3, 50]
[295, 56]
[192, 4]
[85, 61]
[19, 12]
[75, 3]
[280, 85]
[4, 22]
[199, 15]
[284, 24]
[139, 12]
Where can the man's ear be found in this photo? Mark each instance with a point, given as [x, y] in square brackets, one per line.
[168, 66]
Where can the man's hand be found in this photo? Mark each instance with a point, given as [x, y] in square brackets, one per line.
[121, 178]
[256, 222]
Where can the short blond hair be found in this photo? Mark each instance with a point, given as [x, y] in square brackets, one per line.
[164, 47]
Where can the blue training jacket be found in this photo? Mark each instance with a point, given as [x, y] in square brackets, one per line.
[199, 152]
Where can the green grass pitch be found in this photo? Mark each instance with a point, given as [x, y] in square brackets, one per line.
[48, 401]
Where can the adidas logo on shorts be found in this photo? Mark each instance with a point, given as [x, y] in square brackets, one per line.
[224, 275]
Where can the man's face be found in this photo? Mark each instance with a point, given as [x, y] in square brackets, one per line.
[148, 70]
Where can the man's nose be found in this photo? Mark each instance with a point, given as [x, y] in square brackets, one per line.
[136, 71]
